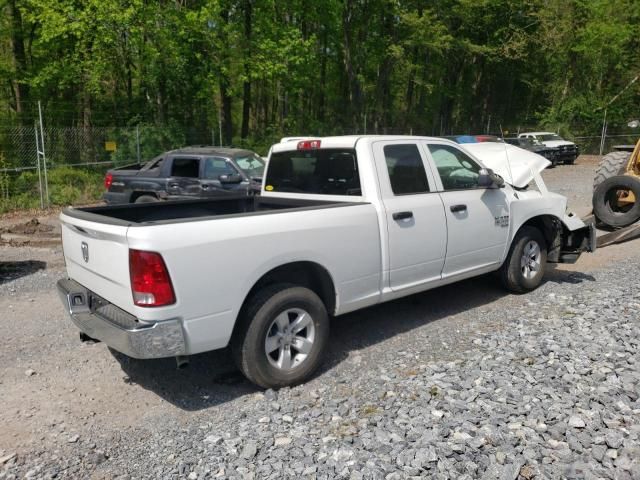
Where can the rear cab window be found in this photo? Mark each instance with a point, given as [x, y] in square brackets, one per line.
[323, 171]
[185, 167]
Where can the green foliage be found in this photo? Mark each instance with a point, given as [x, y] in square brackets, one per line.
[67, 186]
[152, 141]
[291, 67]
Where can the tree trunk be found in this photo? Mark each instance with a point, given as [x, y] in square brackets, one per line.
[225, 84]
[20, 88]
[355, 93]
[246, 93]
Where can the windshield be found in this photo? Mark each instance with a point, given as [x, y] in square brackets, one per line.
[331, 171]
[251, 165]
[549, 137]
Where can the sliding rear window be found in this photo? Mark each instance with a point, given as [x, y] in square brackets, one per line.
[330, 171]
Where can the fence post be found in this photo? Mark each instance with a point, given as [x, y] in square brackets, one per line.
[35, 129]
[604, 132]
[41, 152]
[138, 142]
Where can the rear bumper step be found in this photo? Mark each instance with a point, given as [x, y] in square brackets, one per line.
[103, 321]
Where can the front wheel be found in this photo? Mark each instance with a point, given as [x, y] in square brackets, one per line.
[282, 336]
[524, 267]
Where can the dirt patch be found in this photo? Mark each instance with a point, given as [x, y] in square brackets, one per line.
[32, 227]
[34, 232]
[588, 160]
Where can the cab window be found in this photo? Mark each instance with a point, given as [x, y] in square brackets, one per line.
[215, 166]
[456, 169]
[185, 167]
[331, 171]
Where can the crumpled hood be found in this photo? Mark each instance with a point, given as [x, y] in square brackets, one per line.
[516, 165]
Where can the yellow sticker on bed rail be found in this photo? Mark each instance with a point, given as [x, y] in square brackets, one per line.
[268, 188]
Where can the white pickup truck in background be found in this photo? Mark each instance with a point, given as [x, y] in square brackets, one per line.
[342, 223]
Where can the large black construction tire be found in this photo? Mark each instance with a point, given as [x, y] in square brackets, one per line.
[607, 206]
[611, 164]
[524, 267]
[282, 335]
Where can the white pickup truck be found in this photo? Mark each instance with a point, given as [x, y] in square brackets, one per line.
[342, 223]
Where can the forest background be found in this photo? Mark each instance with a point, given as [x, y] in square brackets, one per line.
[246, 72]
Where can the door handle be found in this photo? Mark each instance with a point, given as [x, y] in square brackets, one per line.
[402, 215]
[458, 208]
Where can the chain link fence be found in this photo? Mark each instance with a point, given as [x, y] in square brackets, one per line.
[72, 162]
[72, 169]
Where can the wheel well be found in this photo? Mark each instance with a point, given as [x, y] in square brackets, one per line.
[136, 195]
[551, 228]
[305, 274]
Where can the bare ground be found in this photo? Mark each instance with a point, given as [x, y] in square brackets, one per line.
[54, 387]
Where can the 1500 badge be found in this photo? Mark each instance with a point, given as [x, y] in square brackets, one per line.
[502, 221]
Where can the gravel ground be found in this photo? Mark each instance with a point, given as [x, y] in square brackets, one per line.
[460, 382]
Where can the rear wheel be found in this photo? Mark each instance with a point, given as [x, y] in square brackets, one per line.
[146, 199]
[614, 163]
[524, 267]
[282, 336]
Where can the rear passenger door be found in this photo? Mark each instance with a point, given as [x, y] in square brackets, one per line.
[183, 177]
[477, 217]
[416, 225]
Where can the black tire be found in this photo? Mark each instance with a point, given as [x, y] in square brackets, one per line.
[605, 206]
[146, 199]
[259, 315]
[513, 275]
[612, 164]
[570, 161]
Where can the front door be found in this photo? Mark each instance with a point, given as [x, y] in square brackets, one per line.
[215, 167]
[477, 217]
[416, 225]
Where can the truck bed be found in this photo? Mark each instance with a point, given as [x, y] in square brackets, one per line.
[190, 210]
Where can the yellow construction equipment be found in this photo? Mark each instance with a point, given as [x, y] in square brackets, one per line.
[616, 187]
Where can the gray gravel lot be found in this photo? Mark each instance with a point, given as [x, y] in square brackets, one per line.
[460, 382]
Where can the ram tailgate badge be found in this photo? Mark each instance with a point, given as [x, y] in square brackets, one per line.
[85, 251]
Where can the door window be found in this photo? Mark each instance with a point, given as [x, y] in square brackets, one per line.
[185, 167]
[214, 167]
[406, 170]
[456, 169]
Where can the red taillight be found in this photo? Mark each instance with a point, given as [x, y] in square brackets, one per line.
[308, 144]
[150, 282]
[108, 180]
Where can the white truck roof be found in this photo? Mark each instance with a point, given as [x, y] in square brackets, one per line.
[537, 133]
[346, 141]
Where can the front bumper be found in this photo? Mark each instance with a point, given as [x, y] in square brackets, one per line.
[103, 321]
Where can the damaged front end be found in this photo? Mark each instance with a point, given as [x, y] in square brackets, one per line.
[573, 238]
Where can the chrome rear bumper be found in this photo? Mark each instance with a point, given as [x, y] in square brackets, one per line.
[103, 321]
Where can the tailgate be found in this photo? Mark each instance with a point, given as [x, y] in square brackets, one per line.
[97, 257]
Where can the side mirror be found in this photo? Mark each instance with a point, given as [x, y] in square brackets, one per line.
[231, 178]
[489, 179]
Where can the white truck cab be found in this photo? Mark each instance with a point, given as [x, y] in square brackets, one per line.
[342, 223]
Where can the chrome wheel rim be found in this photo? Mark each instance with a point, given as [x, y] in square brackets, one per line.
[530, 262]
[290, 339]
